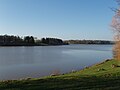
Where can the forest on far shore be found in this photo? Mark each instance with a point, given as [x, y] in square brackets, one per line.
[11, 40]
[89, 42]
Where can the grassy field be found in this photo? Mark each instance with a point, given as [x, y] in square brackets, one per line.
[105, 75]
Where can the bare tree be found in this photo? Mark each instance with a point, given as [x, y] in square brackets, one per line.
[116, 28]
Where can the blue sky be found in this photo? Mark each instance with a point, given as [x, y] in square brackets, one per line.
[66, 19]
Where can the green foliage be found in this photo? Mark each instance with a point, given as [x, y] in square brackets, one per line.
[107, 78]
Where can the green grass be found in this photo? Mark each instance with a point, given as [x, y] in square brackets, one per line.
[97, 77]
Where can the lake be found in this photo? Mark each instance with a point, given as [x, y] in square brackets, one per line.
[23, 62]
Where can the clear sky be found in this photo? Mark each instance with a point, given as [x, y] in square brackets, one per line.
[66, 19]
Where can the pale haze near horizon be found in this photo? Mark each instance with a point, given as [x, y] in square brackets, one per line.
[66, 19]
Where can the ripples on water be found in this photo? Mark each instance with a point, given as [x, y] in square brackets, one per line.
[22, 62]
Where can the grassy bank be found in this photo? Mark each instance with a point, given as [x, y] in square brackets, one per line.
[105, 75]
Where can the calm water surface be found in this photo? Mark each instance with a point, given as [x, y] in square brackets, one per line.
[23, 62]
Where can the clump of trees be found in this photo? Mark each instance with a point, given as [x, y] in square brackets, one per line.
[52, 41]
[116, 28]
[29, 40]
[7, 40]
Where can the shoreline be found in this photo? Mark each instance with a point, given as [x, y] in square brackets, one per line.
[98, 76]
[52, 74]
[47, 45]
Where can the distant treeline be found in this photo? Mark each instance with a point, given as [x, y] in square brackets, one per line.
[88, 42]
[7, 40]
[52, 41]
[11, 40]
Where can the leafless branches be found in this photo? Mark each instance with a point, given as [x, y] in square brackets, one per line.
[116, 28]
